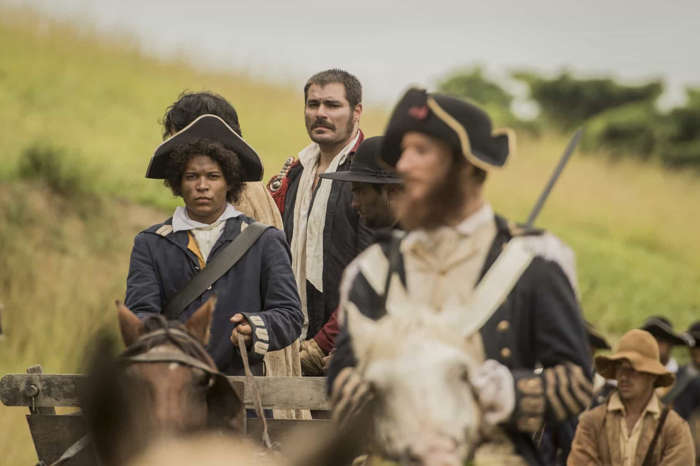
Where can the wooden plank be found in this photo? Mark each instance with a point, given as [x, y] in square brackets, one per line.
[288, 392]
[33, 409]
[53, 389]
[63, 390]
[279, 428]
[54, 434]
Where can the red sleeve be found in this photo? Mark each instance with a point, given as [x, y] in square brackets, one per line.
[325, 338]
[278, 184]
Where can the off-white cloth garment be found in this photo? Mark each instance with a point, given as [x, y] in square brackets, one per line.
[629, 440]
[442, 268]
[205, 235]
[309, 220]
[445, 263]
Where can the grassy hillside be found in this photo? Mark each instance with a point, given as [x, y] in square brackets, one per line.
[63, 258]
[102, 100]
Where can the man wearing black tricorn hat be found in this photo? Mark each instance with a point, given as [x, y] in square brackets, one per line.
[374, 190]
[443, 148]
[666, 337]
[178, 264]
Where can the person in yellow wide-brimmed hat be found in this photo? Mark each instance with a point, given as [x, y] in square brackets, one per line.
[633, 427]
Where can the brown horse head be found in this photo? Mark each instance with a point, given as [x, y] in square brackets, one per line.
[176, 392]
[164, 383]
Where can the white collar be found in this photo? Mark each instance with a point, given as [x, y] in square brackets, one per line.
[309, 155]
[183, 222]
[472, 223]
[672, 365]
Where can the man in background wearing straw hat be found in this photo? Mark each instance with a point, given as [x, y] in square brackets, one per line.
[633, 428]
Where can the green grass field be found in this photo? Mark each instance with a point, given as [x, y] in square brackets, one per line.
[63, 259]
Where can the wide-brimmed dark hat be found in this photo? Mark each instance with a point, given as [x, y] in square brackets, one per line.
[463, 125]
[365, 167]
[595, 338]
[212, 128]
[662, 329]
[693, 333]
[641, 350]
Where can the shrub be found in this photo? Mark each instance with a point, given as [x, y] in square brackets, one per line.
[61, 172]
[680, 154]
[566, 101]
[627, 130]
[472, 84]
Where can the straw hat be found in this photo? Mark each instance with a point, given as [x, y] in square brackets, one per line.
[642, 351]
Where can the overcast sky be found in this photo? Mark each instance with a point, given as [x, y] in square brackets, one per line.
[390, 45]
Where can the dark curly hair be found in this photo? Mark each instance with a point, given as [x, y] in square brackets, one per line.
[190, 105]
[228, 161]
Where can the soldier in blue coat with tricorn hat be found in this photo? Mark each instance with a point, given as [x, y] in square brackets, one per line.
[532, 343]
[178, 264]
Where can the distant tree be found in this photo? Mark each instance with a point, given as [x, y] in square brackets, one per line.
[639, 130]
[566, 101]
[471, 83]
[681, 133]
[628, 130]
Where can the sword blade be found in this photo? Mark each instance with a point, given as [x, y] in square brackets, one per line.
[573, 142]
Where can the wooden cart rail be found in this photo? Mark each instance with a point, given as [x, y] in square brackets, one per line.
[53, 434]
[58, 390]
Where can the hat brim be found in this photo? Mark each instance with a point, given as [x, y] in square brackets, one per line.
[213, 128]
[606, 366]
[661, 333]
[597, 341]
[358, 177]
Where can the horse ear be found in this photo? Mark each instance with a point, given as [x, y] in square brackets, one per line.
[130, 325]
[362, 329]
[200, 322]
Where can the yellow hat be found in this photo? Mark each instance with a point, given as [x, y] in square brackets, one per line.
[640, 348]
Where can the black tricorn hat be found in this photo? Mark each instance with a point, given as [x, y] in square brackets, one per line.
[365, 166]
[463, 125]
[213, 128]
[660, 327]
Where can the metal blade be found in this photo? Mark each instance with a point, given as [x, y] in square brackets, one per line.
[555, 176]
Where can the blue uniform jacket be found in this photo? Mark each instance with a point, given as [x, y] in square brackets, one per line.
[260, 286]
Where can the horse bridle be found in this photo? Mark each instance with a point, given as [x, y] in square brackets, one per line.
[139, 351]
[141, 347]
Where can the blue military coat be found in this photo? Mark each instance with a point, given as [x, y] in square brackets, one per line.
[260, 286]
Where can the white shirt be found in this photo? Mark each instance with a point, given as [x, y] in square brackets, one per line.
[205, 235]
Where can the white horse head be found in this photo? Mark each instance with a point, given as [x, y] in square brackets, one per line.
[419, 369]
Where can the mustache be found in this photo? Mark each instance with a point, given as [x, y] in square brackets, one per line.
[322, 124]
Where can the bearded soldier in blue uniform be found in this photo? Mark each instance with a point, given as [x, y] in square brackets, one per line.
[532, 341]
